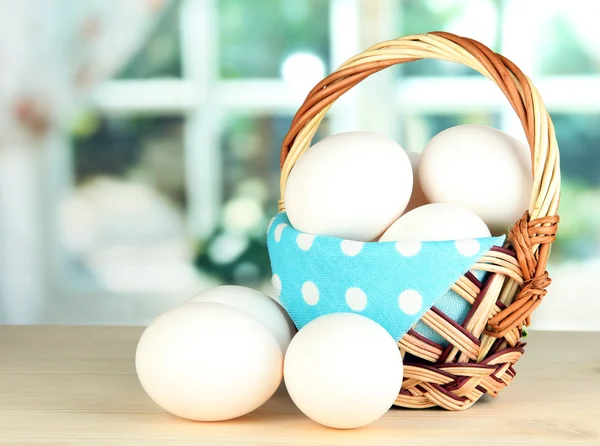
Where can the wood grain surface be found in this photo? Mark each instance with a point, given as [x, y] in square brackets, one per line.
[77, 386]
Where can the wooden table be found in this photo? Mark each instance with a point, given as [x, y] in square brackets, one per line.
[77, 386]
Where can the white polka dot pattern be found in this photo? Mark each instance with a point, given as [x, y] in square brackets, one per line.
[410, 301]
[468, 248]
[351, 247]
[276, 282]
[310, 293]
[356, 299]
[408, 249]
[305, 241]
[279, 230]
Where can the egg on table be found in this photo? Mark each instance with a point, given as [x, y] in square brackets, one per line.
[208, 362]
[350, 185]
[256, 304]
[480, 168]
[436, 222]
[343, 370]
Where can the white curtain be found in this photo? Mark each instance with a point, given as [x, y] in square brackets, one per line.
[51, 54]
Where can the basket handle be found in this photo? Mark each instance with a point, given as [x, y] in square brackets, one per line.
[532, 236]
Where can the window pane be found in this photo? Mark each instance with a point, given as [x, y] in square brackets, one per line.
[145, 149]
[251, 148]
[569, 42]
[257, 37]
[237, 252]
[477, 19]
[579, 230]
[417, 130]
[160, 55]
[123, 227]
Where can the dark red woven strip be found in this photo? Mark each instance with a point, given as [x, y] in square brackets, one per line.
[481, 389]
[466, 366]
[458, 327]
[477, 302]
[424, 339]
[503, 352]
[469, 275]
[435, 369]
[507, 251]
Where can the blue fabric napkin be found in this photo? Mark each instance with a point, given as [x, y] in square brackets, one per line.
[392, 283]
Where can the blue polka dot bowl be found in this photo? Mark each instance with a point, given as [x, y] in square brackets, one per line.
[392, 283]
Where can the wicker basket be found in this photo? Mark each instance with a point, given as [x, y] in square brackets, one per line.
[482, 351]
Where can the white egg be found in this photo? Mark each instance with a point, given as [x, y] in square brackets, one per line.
[343, 370]
[435, 222]
[480, 168]
[208, 362]
[256, 304]
[417, 198]
[351, 185]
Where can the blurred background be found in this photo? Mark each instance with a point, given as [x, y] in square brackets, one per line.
[139, 139]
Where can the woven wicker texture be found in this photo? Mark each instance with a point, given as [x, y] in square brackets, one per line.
[485, 347]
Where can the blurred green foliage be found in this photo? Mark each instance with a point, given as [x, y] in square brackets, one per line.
[419, 16]
[579, 228]
[249, 267]
[564, 53]
[578, 137]
[257, 36]
[147, 147]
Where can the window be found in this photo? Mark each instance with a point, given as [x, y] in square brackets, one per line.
[193, 123]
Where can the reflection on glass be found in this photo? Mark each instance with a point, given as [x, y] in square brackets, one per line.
[123, 224]
[236, 252]
[578, 137]
[570, 43]
[477, 19]
[160, 56]
[257, 37]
